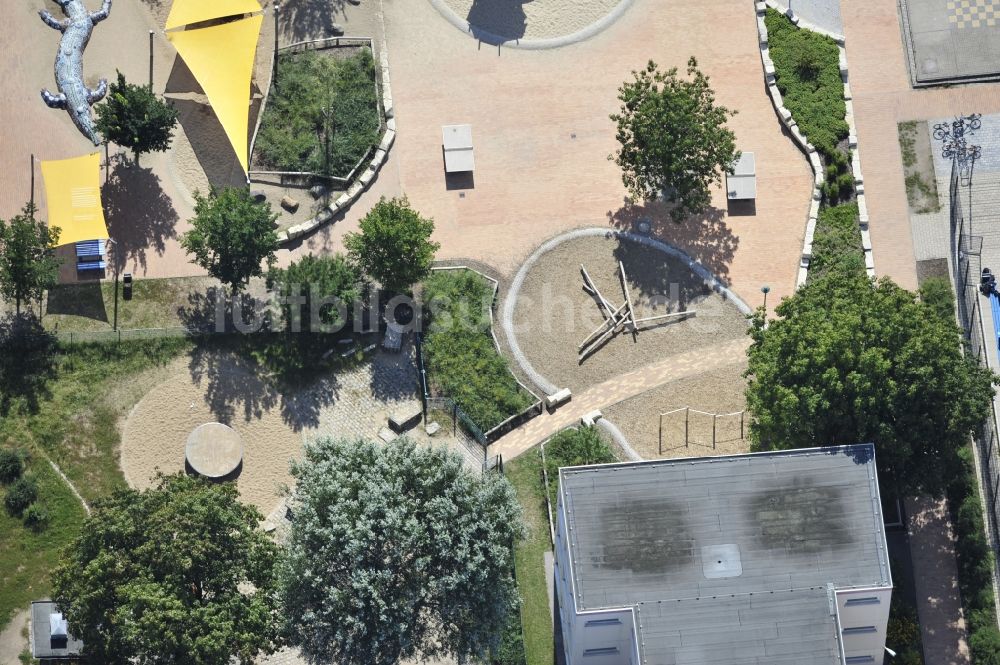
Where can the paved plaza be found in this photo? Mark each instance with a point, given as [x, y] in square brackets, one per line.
[952, 40]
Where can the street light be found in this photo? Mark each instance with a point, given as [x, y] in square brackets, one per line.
[765, 290]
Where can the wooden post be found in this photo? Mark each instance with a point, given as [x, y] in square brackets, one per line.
[687, 412]
[660, 450]
[274, 74]
[107, 163]
[742, 413]
[715, 417]
[454, 419]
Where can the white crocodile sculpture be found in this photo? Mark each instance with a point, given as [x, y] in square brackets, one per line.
[74, 96]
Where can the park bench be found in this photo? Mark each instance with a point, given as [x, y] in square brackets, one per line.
[458, 152]
[90, 255]
[84, 266]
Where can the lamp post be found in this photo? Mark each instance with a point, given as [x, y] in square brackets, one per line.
[150, 59]
[765, 290]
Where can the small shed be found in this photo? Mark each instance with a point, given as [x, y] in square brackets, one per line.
[458, 154]
[49, 633]
[741, 184]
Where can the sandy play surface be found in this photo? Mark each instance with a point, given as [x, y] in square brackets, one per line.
[156, 430]
[554, 314]
[720, 391]
[535, 19]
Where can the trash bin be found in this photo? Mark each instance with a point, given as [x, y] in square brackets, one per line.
[127, 286]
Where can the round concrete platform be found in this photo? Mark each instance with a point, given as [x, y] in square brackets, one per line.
[214, 450]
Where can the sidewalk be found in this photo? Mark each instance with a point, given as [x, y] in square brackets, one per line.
[939, 603]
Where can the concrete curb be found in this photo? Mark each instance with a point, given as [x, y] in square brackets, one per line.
[810, 151]
[510, 300]
[619, 438]
[367, 175]
[532, 44]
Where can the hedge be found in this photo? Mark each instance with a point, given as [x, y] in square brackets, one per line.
[462, 361]
[837, 242]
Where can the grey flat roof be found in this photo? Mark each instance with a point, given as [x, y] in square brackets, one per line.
[790, 628]
[801, 518]
[41, 645]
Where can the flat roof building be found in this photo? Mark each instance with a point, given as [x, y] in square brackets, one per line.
[49, 633]
[768, 558]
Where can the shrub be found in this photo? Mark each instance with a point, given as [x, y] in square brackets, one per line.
[837, 242]
[36, 518]
[462, 361]
[937, 294]
[323, 116]
[11, 465]
[574, 447]
[21, 494]
[807, 72]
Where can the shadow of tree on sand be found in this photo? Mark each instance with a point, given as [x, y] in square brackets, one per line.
[706, 238]
[497, 21]
[140, 215]
[300, 20]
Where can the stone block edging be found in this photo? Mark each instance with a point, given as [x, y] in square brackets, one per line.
[367, 175]
[810, 151]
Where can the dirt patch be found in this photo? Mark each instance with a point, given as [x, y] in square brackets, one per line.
[720, 391]
[156, 431]
[13, 639]
[918, 167]
[554, 313]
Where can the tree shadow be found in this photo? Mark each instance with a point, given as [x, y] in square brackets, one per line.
[657, 281]
[706, 238]
[27, 362]
[227, 388]
[497, 21]
[300, 20]
[394, 375]
[140, 215]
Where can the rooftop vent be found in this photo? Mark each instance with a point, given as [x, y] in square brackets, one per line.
[719, 561]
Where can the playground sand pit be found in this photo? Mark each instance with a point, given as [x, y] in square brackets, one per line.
[720, 391]
[155, 432]
[554, 314]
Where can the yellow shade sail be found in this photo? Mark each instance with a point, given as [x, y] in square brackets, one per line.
[183, 12]
[221, 58]
[73, 193]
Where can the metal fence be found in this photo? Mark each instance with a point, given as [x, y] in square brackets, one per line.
[967, 265]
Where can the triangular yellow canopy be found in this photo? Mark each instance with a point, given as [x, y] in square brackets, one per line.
[183, 12]
[221, 58]
[73, 193]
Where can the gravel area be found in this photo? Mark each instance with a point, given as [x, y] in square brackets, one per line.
[719, 391]
[553, 313]
[541, 19]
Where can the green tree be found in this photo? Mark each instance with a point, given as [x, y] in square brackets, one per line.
[134, 117]
[320, 290]
[180, 573]
[852, 360]
[398, 551]
[394, 246]
[574, 447]
[28, 263]
[674, 138]
[231, 236]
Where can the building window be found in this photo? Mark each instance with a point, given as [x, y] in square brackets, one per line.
[868, 600]
[852, 660]
[860, 630]
[606, 651]
[603, 622]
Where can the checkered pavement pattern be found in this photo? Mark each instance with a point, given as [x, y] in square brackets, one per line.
[973, 13]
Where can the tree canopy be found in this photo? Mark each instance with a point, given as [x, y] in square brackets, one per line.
[850, 360]
[134, 117]
[231, 236]
[320, 290]
[397, 551]
[394, 246]
[180, 573]
[28, 263]
[674, 139]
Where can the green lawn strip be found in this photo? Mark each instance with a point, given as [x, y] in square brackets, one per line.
[156, 303]
[322, 116]
[525, 473]
[836, 243]
[462, 361]
[76, 423]
[27, 557]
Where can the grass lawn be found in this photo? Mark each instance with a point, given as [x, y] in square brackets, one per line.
[27, 557]
[525, 473]
[156, 303]
[74, 422]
